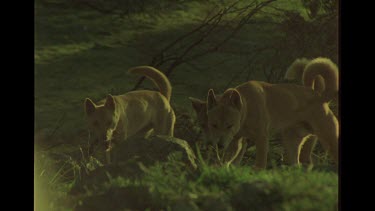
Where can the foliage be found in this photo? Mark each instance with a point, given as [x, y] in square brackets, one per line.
[83, 49]
[314, 6]
[167, 185]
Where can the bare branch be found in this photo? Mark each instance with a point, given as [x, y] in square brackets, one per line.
[204, 31]
[241, 23]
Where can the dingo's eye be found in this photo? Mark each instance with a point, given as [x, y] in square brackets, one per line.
[230, 126]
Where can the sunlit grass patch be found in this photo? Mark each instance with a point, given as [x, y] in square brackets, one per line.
[46, 54]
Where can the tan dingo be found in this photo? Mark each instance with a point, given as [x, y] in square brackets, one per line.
[200, 108]
[255, 109]
[135, 113]
[297, 72]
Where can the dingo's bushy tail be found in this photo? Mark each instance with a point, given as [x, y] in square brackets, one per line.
[295, 73]
[157, 77]
[326, 69]
[295, 70]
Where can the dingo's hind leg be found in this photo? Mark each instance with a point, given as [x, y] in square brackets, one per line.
[307, 149]
[326, 127]
[291, 144]
[165, 125]
[293, 139]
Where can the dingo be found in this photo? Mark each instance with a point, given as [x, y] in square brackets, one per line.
[135, 113]
[297, 72]
[255, 109]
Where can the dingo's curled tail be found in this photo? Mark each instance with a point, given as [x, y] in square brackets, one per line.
[295, 70]
[157, 77]
[326, 69]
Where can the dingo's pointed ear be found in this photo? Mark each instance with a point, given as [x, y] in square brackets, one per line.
[110, 102]
[235, 99]
[89, 106]
[211, 99]
[198, 104]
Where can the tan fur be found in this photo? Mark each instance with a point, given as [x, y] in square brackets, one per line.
[160, 80]
[135, 113]
[256, 109]
[200, 108]
[317, 74]
[325, 68]
[295, 70]
[320, 74]
[238, 145]
[299, 133]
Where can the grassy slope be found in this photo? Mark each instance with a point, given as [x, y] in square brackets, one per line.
[209, 188]
[81, 54]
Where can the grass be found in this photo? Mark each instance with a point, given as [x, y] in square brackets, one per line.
[67, 180]
[81, 53]
[168, 185]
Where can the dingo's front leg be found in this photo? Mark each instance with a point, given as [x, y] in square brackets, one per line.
[261, 144]
[108, 152]
[238, 159]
